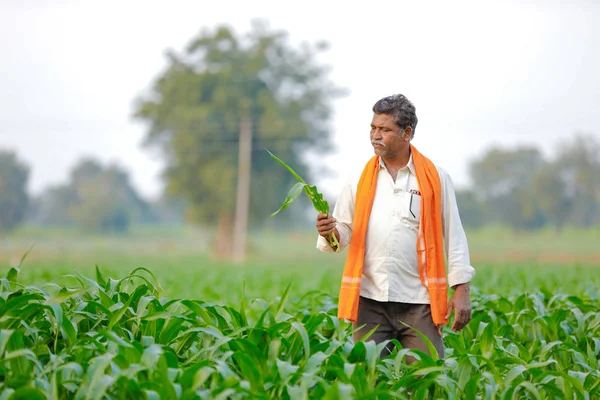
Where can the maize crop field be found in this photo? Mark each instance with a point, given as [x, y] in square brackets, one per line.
[268, 330]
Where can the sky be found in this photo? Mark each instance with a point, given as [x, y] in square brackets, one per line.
[480, 73]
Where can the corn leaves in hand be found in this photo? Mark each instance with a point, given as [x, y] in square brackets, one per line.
[319, 203]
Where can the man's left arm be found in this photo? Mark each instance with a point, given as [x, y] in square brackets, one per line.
[460, 271]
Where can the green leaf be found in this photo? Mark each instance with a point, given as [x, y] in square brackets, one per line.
[27, 393]
[338, 391]
[139, 291]
[429, 370]
[99, 277]
[24, 257]
[532, 389]
[317, 199]
[292, 195]
[5, 335]
[432, 350]
[158, 286]
[68, 331]
[283, 300]
[305, 340]
[63, 296]
[286, 167]
[96, 382]
[513, 373]
[248, 370]
[12, 276]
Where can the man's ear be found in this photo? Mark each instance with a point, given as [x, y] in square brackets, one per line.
[408, 133]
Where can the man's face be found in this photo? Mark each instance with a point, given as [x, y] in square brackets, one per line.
[386, 136]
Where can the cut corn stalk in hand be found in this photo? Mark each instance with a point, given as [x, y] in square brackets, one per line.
[319, 203]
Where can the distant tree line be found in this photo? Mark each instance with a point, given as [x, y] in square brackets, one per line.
[96, 198]
[521, 188]
[518, 188]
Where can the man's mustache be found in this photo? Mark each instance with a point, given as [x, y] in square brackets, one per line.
[378, 142]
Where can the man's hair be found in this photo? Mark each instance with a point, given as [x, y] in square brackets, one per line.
[400, 108]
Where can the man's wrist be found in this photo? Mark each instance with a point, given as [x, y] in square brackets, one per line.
[461, 286]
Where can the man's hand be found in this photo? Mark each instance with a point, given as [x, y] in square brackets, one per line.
[461, 304]
[326, 225]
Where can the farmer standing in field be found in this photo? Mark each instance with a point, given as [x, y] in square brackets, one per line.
[396, 218]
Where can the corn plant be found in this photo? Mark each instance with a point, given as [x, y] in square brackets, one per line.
[319, 203]
[122, 339]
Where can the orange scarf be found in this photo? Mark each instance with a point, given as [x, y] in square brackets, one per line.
[430, 254]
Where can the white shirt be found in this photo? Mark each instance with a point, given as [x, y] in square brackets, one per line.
[391, 270]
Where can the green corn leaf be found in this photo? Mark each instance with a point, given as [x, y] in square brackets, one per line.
[27, 393]
[340, 390]
[63, 296]
[243, 315]
[283, 300]
[139, 292]
[5, 335]
[68, 331]
[319, 203]
[317, 199]
[112, 336]
[432, 350]
[99, 277]
[248, 370]
[429, 370]
[194, 376]
[25, 256]
[532, 389]
[151, 356]
[12, 277]
[171, 330]
[286, 167]
[305, 340]
[514, 372]
[292, 195]
[157, 285]
[359, 379]
[595, 323]
[311, 191]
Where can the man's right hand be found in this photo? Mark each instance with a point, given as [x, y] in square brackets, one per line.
[326, 225]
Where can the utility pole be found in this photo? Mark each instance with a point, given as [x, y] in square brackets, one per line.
[242, 204]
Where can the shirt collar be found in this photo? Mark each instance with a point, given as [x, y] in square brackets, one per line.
[410, 165]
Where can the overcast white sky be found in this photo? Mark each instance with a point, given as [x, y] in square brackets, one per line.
[480, 73]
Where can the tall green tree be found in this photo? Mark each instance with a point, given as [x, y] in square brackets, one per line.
[14, 176]
[196, 107]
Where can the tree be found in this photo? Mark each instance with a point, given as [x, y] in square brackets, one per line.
[97, 199]
[221, 81]
[54, 206]
[502, 180]
[551, 195]
[14, 176]
[472, 211]
[578, 167]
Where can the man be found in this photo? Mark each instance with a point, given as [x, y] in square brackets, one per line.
[397, 218]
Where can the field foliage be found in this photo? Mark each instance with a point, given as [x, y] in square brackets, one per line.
[162, 320]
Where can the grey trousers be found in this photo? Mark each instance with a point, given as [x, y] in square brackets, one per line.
[388, 315]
